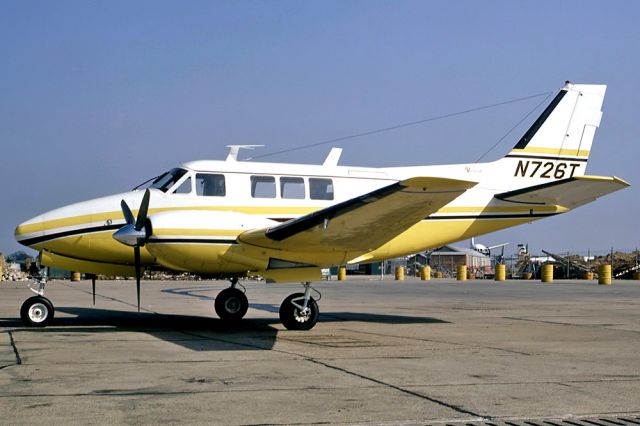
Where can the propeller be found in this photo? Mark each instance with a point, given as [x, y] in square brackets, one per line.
[135, 233]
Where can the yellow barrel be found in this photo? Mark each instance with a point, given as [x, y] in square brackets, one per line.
[588, 275]
[399, 273]
[501, 272]
[462, 272]
[439, 274]
[527, 276]
[604, 274]
[636, 275]
[547, 273]
[342, 273]
[425, 273]
[75, 276]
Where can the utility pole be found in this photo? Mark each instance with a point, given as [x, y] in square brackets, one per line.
[612, 262]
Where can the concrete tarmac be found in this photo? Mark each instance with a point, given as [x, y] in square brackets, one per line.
[412, 352]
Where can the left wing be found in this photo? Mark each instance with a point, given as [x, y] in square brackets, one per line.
[363, 223]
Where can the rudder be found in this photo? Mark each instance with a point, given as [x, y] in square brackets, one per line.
[565, 130]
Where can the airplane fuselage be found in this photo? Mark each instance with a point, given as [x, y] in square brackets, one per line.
[265, 194]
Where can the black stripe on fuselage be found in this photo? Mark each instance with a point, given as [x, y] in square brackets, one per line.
[492, 216]
[543, 157]
[191, 241]
[56, 235]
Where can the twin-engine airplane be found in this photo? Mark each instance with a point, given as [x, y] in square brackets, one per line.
[287, 221]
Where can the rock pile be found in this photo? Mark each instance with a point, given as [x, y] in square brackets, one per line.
[11, 274]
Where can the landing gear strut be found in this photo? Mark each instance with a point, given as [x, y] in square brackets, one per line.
[231, 304]
[299, 311]
[37, 311]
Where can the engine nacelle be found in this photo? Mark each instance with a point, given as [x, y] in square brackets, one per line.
[204, 241]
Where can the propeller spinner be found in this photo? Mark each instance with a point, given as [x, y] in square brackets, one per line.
[135, 233]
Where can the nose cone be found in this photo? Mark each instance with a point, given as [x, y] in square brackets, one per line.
[129, 236]
[29, 233]
[65, 230]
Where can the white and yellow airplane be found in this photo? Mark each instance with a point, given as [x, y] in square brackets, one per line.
[287, 221]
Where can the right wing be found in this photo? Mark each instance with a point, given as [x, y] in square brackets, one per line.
[363, 223]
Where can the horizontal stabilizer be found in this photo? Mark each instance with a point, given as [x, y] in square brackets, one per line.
[362, 223]
[569, 193]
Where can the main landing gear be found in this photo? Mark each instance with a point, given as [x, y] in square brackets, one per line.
[231, 304]
[37, 311]
[298, 311]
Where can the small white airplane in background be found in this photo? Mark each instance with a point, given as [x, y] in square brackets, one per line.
[481, 248]
[288, 221]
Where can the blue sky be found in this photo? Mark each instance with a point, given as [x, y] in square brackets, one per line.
[98, 96]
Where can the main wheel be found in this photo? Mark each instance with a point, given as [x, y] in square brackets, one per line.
[294, 318]
[36, 311]
[231, 304]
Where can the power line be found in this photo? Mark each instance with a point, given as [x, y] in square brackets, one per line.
[514, 127]
[399, 126]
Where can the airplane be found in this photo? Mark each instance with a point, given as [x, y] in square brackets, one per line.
[286, 222]
[481, 248]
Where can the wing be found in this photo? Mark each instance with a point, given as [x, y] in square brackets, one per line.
[362, 223]
[569, 193]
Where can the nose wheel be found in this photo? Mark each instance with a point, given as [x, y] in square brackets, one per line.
[37, 311]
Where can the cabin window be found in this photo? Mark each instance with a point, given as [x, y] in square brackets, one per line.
[320, 189]
[185, 187]
[263, 187]
[210, 185]
[168, 179]
[292, 187]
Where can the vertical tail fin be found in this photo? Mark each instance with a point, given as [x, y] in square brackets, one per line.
[558, 144]
[565, 130]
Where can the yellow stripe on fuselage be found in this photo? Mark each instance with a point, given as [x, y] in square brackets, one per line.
[551, 151]
[117, 215]
[50, 225]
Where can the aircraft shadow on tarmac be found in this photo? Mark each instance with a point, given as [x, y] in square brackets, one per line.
[195, 332]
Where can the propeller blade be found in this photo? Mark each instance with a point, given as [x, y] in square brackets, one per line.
[126, 211]
[136, 251]
[142, 212]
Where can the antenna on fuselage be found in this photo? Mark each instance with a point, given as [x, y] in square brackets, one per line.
[333, 157]
[235, 149]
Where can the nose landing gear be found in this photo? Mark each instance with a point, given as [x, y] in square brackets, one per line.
[37, 311]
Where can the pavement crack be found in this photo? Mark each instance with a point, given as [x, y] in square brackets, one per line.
[15, 348]
[417, 339]
[597, 326]
[453, 407]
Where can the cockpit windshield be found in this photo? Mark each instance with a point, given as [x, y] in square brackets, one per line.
[164, 181]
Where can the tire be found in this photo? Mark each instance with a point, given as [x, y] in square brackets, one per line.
[37, 311]
[291, 317]
[231, 304]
